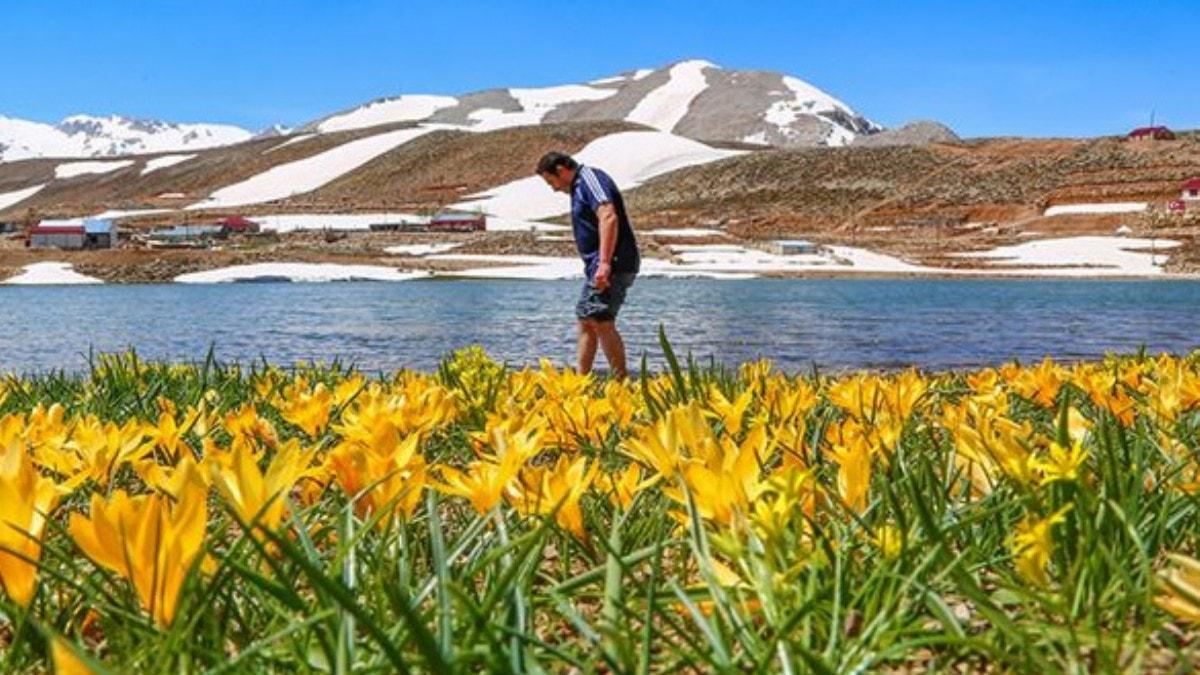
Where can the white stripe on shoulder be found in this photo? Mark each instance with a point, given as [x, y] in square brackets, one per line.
[593, 182]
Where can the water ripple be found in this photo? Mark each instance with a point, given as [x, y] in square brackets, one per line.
[832, 324]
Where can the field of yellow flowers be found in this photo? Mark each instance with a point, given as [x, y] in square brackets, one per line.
[216, 518]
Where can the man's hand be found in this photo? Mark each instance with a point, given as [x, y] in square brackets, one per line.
[603, 276]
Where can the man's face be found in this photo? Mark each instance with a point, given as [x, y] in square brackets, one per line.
[560, 180]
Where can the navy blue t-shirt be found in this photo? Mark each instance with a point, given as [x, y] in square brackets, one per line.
[592, 188]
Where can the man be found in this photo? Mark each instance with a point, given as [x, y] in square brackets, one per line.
[609, 251]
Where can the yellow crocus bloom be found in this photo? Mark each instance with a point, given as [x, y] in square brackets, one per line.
[1180, 586]
[151, 540]
[254, 493]
[1059, 463]
[1033, 543]
[26, 499]
[483, 482]
[104, 447]
[557, 490]
[308, 410]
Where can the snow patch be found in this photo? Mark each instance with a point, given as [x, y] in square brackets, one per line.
[310, 173]
[72, 169]
[1091, 256]
[630, 157]
[502, 224]
[423, 249]
[298, 272]
[50, 274]
[807, 100]
[666, 105]
[8, 199]
[164, 161]
[1109, 207]
[684, 232]
[535, 105]
[408, 108]
[294, 139]
[715, 261]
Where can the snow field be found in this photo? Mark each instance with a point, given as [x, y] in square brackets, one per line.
[630, 157]
[50, 274]
[310, 173]
[73, 169]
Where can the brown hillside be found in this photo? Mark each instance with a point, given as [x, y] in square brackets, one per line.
[897, 187]
[442, 167]
[195, 178]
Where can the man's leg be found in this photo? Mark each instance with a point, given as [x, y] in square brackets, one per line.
[613, 346]
[587, 345]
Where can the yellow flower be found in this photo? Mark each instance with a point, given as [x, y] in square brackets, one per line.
[485, 481]
[389, 474]
[26, 498]
[889, 539]
[307, 410]
[254, 493]
[678, 436]
[1032, 544]
[851, 451]
[557, 491]
[621, 487]
[1180, 588]
[149, 540]
[247, 427]
[104, 447]
[1060, 464]
[730, 413]
[1041, 383]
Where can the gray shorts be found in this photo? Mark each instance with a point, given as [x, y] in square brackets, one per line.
[603, 306]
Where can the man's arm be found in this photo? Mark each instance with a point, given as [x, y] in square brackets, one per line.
[607, 215]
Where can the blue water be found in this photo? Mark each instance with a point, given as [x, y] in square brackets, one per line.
[834, 324]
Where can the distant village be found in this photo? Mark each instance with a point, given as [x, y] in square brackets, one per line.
[98, 233]
[102, 233]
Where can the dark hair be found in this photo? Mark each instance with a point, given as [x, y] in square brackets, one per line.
[550, 162]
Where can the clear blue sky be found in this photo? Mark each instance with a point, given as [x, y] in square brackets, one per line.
[1019, 68]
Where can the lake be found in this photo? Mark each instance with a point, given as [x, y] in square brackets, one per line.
[834, 324]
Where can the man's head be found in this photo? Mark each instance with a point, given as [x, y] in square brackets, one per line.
[558, 170]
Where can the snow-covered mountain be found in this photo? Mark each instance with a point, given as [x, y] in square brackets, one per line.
[86, 136]
[695, 99]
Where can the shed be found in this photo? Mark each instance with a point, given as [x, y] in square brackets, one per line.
[458, 222]
[238, 225]
[64, 234]
[1156, 133]
[99, 233]
[793, 247]
[1191, 190]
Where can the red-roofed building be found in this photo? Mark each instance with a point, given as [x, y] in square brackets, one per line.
[52, 234]
[238, 225]
[458, 222]
[1191, 190]
[1158, 133]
